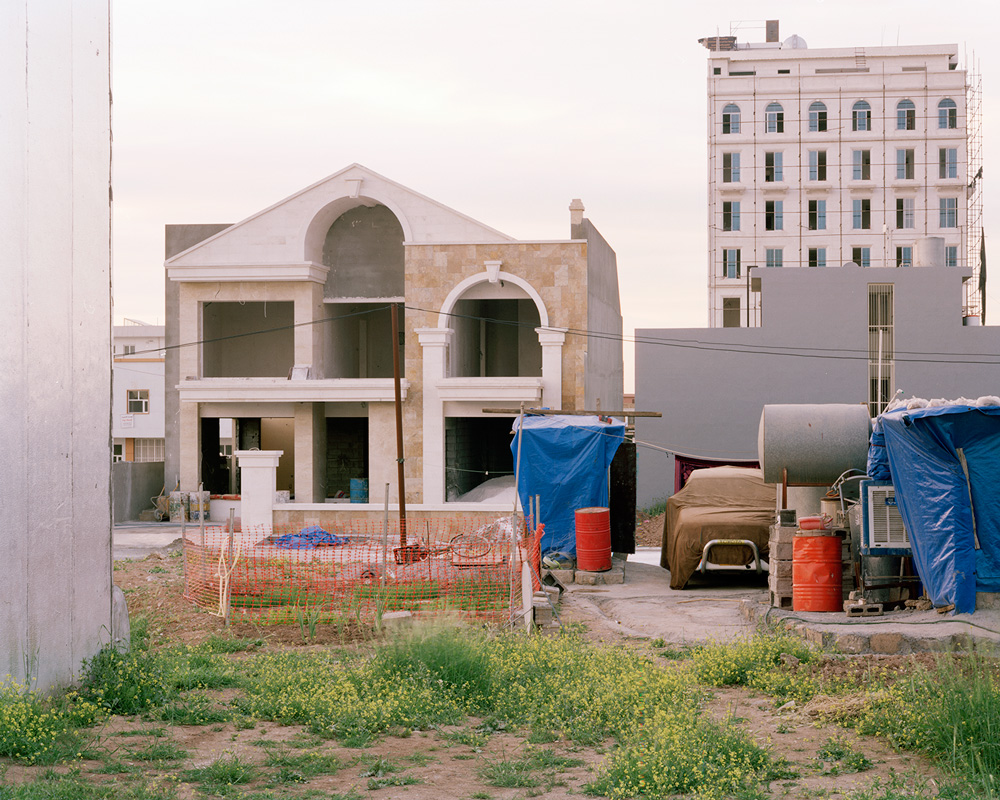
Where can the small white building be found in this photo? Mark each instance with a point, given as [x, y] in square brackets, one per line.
[137, 394]
[822, 157]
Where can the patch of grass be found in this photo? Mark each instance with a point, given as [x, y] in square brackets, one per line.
[38, 730]
[160, 752]
[658, 507]
[950, 712]
[469, 737]
[377, 766]
[846, 756]
[117, 767]
[229, 644]
[420, 759]
[123, 683]
[308, 764]
[682, 753]
[223, 772]
[742, 662]
[391, 780]
[551, 760]
[190, 669]
[192, 709]
[509, 773]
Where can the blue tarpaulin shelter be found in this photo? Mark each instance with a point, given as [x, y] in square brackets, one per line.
[945, 465]
[564, 460]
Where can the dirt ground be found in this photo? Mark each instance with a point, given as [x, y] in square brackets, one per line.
[449, 762]
[649, 530]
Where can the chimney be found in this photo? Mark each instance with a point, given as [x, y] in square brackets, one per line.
[771, 28]
[576, 212]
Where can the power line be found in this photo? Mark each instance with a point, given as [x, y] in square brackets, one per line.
[797, 351]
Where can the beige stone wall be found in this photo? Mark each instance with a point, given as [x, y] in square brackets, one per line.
[328, 518]
[556, 270]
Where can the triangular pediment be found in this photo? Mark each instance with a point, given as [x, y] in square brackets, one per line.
[286, 239]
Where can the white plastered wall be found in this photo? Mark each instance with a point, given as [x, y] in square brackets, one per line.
[55, 490]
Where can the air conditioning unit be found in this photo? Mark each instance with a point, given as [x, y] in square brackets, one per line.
[883, 532]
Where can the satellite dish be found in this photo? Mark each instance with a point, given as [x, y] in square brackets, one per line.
[795, 42]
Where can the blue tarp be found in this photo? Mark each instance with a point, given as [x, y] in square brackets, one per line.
[312, 536]
[564, 460]
[938, 503]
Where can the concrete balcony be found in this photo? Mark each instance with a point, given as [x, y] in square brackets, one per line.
[281, 390]
[511, 389]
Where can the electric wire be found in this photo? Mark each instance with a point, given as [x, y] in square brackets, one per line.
[793, 351]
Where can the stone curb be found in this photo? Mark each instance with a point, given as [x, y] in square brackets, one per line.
[860, 641]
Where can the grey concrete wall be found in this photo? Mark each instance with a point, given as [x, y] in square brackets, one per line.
[248, 354]
[712, 384]
[55, 488]
[605, 373]
[364, 250]
[133, 485]
[177, 238]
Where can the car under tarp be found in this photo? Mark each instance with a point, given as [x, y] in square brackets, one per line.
[564, 460]
[945, 465]
[716, 503]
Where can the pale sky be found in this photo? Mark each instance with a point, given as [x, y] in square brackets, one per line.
[503, 111]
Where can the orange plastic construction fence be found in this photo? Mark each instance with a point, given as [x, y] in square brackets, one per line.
[354, 572]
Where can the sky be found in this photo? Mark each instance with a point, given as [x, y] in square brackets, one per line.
[502, 111]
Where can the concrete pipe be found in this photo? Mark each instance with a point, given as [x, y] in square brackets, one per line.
[815, 443]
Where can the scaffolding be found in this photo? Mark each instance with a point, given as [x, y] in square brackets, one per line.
[974, 291]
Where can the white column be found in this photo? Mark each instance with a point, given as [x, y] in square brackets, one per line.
[434, 342]
[258, 482]
[552, 341]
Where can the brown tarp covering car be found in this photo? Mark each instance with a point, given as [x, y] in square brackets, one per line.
[717, 503]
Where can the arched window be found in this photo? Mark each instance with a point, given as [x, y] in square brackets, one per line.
[906, 116]
[817, 116]
[731, 118]
[947, 114]
[774, 118]
[861, 116]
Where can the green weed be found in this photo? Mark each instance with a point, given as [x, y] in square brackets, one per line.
[223, 772]
[159, 752]
[123, 683]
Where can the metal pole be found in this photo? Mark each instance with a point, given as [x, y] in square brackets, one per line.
[229, 564]
[399, 426]
[878, 402]
[385, 539]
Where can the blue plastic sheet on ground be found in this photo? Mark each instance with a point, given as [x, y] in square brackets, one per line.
[939, 504]
[564, 460]
[312, 536]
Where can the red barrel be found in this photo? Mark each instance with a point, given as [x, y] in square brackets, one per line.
[816, 572]
[593, 539]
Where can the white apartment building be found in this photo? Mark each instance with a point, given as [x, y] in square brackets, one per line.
[138, 402]
[817, 158]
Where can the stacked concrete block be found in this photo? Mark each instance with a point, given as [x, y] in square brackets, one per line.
[779, 579]
[544, 604]
[846, 563]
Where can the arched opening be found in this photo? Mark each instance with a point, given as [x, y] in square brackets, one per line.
[495, 335]
[364, 250]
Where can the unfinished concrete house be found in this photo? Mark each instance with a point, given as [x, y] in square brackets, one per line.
[282, 324]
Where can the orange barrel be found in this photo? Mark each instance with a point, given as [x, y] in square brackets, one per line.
[816, 572]
[593, 539]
